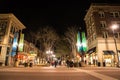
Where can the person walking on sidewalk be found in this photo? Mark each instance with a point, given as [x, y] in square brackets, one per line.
[55, 63]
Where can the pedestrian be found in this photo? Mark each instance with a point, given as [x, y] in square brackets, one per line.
[30, 63]
[68, 63]
[48, 63]
[55, 63]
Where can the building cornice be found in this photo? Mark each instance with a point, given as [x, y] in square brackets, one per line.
[14, 19]
[95, 7]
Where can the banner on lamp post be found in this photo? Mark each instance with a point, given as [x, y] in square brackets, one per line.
[15, 44]
[21, 42]
[78, 42]
[84, 42]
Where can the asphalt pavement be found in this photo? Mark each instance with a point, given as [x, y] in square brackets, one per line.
[100, 73]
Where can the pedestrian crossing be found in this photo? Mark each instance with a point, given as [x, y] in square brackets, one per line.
[53, 69]
[38, 69]
[63, 70]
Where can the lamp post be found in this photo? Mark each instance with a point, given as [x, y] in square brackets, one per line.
[49, 53]
[115, 26]
[78, 48]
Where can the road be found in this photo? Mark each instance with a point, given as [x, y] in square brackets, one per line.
[59, 73]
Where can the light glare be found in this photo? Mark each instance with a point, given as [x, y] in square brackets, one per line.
[115, 26]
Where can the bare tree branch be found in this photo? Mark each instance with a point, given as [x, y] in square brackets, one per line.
[71, 37]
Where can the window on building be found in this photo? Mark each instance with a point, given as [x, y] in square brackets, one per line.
[0, 49]
[1, 38]
[105, 34]
[89, 22]
[114, 14]
[87, 33]
[90, 29]
[8, 50]
[12, 29]
[94, 36]
[91, 19]
[101, 14]
[10, 40]
[117, 35]
[93, 28]
[103, 24]
[3, 25]
[89, 41]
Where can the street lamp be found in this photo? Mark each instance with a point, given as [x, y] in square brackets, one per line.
[114, 27]
[49, 53]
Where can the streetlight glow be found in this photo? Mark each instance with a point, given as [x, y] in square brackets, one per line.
[49, 52]
[115, 26]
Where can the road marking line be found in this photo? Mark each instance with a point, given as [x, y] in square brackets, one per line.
[98, 75]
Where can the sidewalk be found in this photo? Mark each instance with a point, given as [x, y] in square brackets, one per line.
[100, 76]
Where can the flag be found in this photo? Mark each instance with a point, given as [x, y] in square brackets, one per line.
[84, 43]
[78, 42]
[15, 44]
[21, 42]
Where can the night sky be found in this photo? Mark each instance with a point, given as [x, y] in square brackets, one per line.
[59, 14]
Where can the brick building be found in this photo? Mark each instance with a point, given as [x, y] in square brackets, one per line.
[103, 42]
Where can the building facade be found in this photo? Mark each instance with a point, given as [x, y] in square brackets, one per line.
[103, 42]
[28, 54]
[9, 25]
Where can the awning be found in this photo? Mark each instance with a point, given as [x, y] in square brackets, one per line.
[118, 51]
[108, 52]
[91, 50]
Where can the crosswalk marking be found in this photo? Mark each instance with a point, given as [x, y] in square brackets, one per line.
[44, 69]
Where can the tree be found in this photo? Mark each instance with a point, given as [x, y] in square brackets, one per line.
[47, 37]
[71, 36]
[62, 48]
[30, 36]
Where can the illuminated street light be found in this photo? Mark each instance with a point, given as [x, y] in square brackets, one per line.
[114, 27]
[49, 53]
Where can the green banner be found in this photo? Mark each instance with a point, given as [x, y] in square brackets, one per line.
[21, 42]
[84, 43]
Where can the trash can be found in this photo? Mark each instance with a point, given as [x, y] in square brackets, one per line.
[75, 64]
[31, 64]
[98, 64]
[16, 64]
[1, 63]
[104, 64]
[80, 65]
[25, 64]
